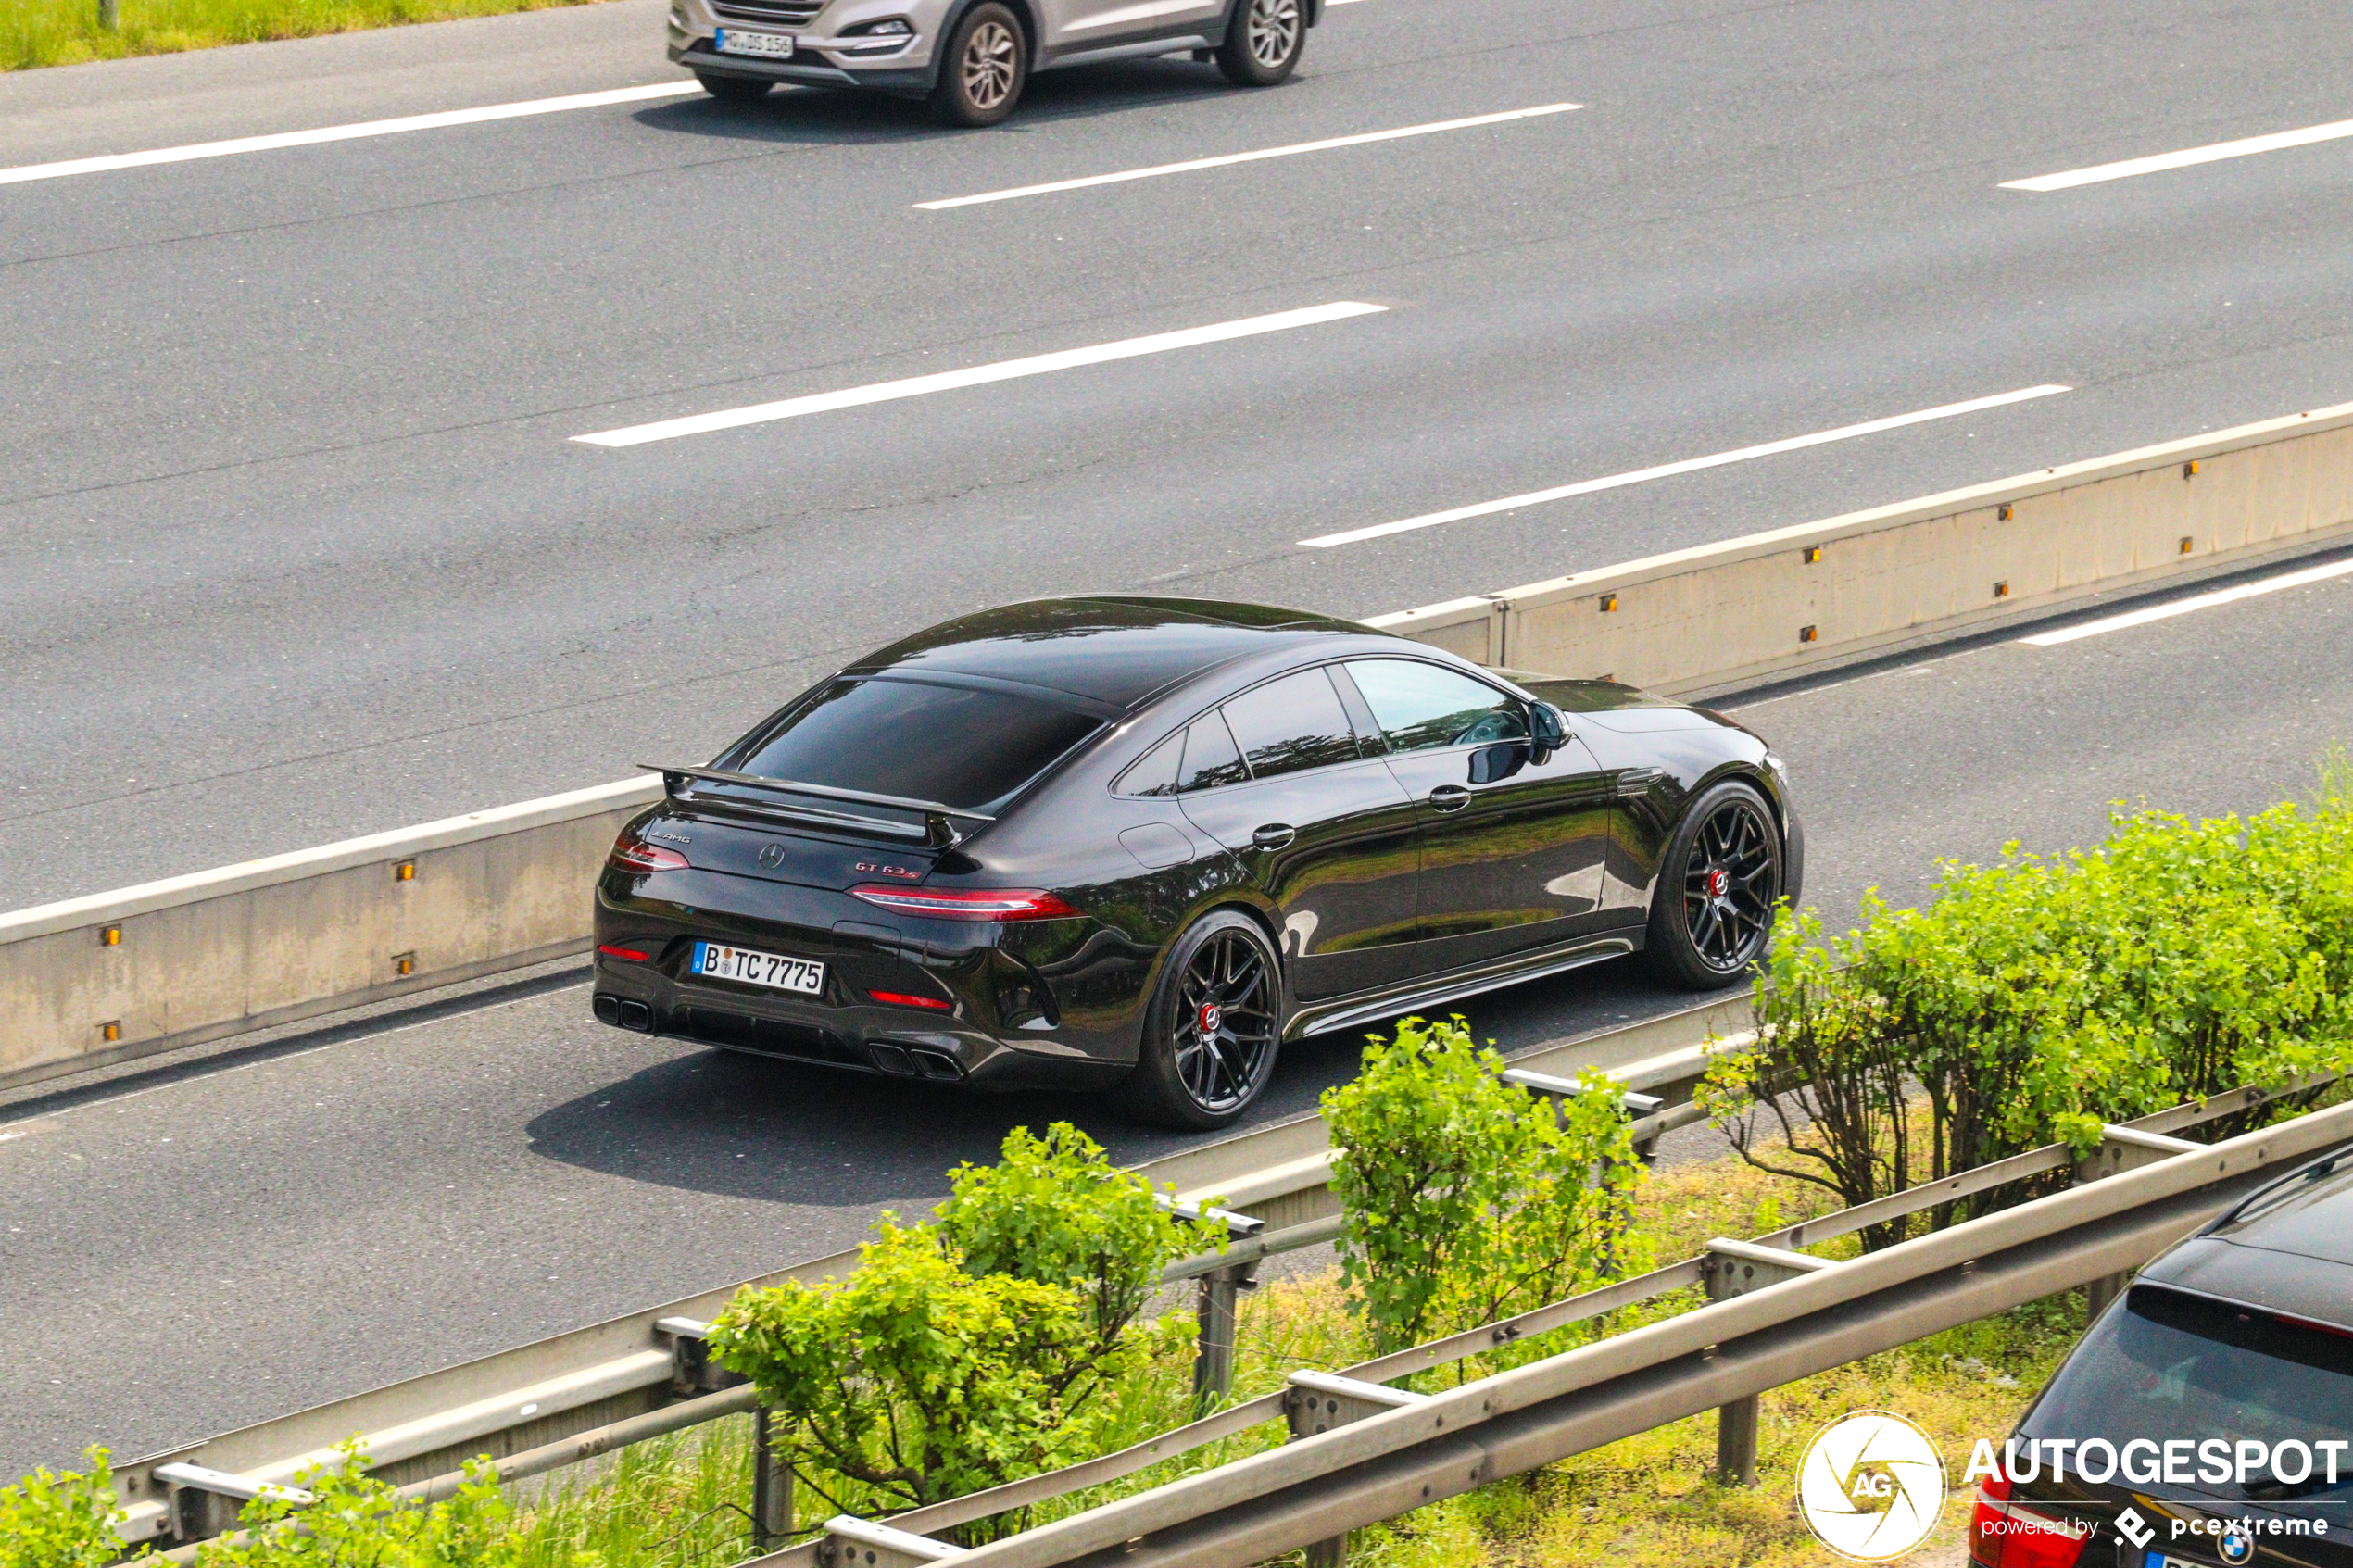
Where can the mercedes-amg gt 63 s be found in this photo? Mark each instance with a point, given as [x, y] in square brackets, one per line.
[1137, 843]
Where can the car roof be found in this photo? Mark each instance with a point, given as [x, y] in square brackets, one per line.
[2288, 1248]
[1113, 648]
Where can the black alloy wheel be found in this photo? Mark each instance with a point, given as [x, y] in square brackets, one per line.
[1264, 40]
[733, 89]
[1214, 1026]
[1712, 908]
[982, 69]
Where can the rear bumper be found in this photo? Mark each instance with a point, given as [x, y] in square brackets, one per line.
[1042, 1004]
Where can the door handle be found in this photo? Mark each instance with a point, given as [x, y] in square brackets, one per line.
[1450, 798]
[1274, 835]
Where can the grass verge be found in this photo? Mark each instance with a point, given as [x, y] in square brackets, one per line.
[57, 33]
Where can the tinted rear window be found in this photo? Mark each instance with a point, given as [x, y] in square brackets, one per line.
[1211, 758]
[2167, 1365]
[954, 745]
[1291, 723]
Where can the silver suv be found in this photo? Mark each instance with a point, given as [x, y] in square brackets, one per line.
[971, 58]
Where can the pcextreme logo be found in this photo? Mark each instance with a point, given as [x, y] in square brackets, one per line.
[1871, 1486]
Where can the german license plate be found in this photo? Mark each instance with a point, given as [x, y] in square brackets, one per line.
[764, 46]
[777, 973]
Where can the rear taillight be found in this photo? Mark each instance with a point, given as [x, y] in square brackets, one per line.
[968, 903]
[634, 854]
[631, 953]
[2003, 1534]
[902, 999]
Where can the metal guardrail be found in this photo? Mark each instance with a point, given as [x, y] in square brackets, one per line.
[1359, 1453]
[192, 1507]
[593, 1386]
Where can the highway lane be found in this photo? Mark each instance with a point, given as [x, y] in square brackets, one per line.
[297, 542]
[188, 1251]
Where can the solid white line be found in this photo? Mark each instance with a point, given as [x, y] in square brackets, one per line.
[1191, 164]
[346, 133]
[1689, 465]
[979, 375]
[2183, 607]
[2213, 153]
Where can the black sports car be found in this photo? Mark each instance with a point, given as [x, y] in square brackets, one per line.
[1135, 842]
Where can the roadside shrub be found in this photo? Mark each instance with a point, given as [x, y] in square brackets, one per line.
[53, 1521]
[1463, 1201]
[961, 1355]
[360, 1522]
[2035, 999]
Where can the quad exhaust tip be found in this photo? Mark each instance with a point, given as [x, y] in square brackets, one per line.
[915, 1061]
[623, 1012]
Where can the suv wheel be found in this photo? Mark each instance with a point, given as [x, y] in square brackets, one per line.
[733, 89]
[1212, 1031]
[1712, 908]
[983, 68]
[1264, 42]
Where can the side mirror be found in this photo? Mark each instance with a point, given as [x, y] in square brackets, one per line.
[1546, 728]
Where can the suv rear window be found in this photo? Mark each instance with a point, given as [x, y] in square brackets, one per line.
[2169, 1365]
[957, 745]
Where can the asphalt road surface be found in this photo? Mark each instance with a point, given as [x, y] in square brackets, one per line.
[189, 1250]
[296, 541]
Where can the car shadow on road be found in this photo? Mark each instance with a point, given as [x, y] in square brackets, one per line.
[744, 1126]
[817, 116]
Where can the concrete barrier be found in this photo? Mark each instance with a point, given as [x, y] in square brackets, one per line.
[99, 980]
[1780, 602]
[272, 941]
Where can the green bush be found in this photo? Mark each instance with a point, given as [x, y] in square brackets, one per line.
[960, 1356]
[52, 1521]
[1463, 1202]
[2035, 999]
[359, 1522]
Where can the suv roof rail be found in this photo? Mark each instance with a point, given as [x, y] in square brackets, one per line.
[2312, 1170]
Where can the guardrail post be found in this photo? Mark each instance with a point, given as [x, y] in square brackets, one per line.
[2122, 1149]
[1736, 1268]
[1317, 1401]
[1216, 1307]
[771, 1485]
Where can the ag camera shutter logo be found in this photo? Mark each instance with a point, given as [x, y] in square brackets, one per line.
[1871, 1486]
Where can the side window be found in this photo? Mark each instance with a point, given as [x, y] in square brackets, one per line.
[1291, 723]
[1211, 756]
[1420, 707]
[1155, 771]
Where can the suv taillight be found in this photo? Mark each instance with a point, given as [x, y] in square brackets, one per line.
[2003, 1534]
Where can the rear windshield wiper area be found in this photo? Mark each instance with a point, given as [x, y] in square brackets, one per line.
[820, 806]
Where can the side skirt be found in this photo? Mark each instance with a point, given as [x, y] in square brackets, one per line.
[1433, 990]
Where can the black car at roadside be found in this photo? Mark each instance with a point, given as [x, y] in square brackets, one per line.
[2212, 1402]
[1137, 843]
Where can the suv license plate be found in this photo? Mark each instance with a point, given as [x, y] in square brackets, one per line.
[766, 45]
[772, 970]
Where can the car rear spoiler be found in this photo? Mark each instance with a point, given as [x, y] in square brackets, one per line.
[938, 827]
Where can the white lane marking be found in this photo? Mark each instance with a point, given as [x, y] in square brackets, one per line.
[345, 133]
[979, 375]
[1188, 166]
[1689, 465]
[2214, 153]
[2184, 606]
